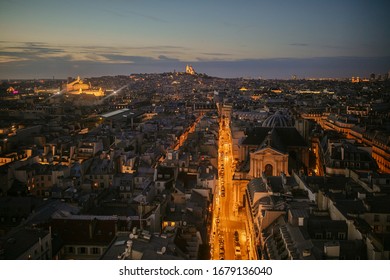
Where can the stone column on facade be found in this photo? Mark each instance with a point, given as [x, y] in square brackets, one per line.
[255, 173]
[251, 166]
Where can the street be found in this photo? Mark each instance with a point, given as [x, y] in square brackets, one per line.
[229, 236]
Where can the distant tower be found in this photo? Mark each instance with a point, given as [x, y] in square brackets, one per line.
[190, 70]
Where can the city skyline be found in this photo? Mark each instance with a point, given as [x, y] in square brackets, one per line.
[277, 39]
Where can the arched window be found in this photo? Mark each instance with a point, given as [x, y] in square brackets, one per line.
[268, 170]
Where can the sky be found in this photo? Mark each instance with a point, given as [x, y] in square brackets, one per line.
[246, 38]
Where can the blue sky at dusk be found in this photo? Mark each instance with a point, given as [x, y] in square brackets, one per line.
[269, 39]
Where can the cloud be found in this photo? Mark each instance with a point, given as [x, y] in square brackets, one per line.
[39, 60]
[299, 44]
[328, 67]
[126, 13]
[166, 58]
[31, 51]
[9, 59]
[216, 54]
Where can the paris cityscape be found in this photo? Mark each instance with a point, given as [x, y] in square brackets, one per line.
[172, 143]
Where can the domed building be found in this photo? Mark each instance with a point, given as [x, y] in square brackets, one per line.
[274, 148]
[277, 120]
[78, 87]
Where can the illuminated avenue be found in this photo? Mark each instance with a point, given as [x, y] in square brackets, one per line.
[182, 165]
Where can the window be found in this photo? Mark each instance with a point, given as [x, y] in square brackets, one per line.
[95, 251]
[82, 250]
[341, 235]
[71, 250]
[376, 218]
[328, 235]
[318, 235]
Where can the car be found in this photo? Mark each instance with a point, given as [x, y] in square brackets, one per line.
[237, 253]
[236, 236]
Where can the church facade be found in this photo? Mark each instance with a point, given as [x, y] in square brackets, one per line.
[272, 150]
[268, 161]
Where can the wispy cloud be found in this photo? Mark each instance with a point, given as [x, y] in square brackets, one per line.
[216, 54]
[22, 51]
[127, 13]
[299, 44]
[36, 59]
[10, 59]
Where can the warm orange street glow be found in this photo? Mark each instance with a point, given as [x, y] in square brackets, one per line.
[230, 239]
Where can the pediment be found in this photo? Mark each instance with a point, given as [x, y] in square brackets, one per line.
[268, 151]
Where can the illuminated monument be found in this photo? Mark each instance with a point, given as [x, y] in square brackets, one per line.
[79, 87]
[190, 70]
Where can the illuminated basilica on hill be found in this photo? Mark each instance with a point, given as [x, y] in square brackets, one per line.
[190, 70]
[79, 87]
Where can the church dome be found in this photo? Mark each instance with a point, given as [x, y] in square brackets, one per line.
[277, 120]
